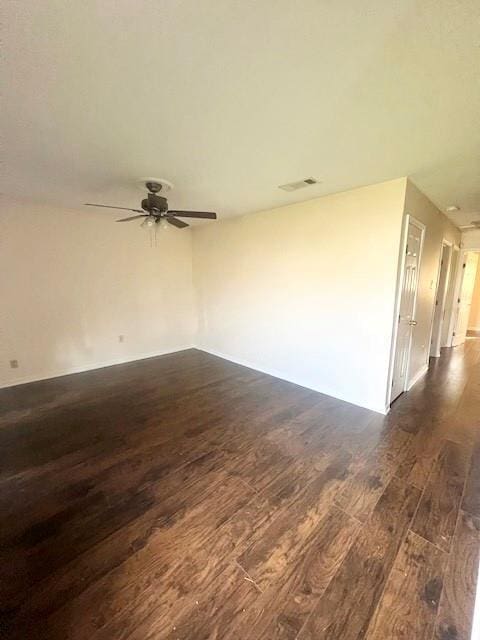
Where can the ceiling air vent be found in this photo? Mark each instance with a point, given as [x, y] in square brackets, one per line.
[293, 186]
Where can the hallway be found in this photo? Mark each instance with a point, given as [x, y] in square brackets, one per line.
[186, 497]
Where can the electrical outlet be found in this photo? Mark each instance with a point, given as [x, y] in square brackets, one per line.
[13, 364]
[121, 338]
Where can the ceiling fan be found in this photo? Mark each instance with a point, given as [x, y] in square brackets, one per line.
[155, 209]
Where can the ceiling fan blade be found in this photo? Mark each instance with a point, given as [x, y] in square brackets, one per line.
[132, 218]
[194, 214]
[176, 223]
[107, 206]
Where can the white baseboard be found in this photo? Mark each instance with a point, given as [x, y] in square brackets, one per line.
[88, 367]
[417, 376]
[278, 374]
[109, 363]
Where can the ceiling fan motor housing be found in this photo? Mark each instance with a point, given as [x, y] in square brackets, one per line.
[155, 204]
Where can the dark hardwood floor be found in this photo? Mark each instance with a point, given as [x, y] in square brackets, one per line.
[185, 497]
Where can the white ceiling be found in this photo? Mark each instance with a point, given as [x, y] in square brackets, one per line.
[230, 98]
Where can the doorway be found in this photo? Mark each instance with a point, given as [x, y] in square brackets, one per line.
[473, 328]
[440, 298]
[465, 300]
[414, 237]
[448, 325]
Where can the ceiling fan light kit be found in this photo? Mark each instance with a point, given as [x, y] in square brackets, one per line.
[155, 209]
[148, 222]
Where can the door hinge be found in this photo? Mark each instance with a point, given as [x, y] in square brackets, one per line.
[464, 265]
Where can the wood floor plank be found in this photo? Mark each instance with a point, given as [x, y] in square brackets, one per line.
[465, 424]
[344, 610]
[270, 555]
[362, 491]
[100, 415]
[426, 450]
[438, 509]
[110, 599]
[65, 478]
[58, 540]
[189, 486]
[200, 565]
[282, 611]
[127, 495]
[471, 499]
[223, 613]
[53, 552]
[409, 605]
[457, 603]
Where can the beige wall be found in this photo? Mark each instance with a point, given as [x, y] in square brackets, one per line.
[307, 291]
[474, 318]
[438, 228]
[471, 239]
[73, 281]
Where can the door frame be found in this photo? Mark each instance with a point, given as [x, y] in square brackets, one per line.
[434, 351]
[408, 218]
[458, 288]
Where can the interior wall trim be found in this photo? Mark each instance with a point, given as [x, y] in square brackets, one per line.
[89, 367]
[414, 379]
[278, 374]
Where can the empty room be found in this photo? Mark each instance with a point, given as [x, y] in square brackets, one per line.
[240, 320]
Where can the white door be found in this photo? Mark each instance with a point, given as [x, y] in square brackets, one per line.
[448, 325]
[406, 321]
[439, 312]
[464, 301]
